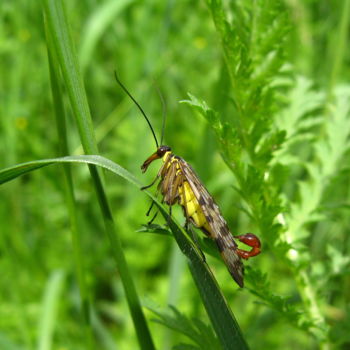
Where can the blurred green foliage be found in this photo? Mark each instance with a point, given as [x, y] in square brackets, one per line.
[271, 79]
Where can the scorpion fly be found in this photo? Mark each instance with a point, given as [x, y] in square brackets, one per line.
[179, 184]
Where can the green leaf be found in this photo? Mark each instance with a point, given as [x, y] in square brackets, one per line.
[202, 107]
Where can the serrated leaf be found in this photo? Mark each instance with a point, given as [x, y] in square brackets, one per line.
[259, 286]
[202, 107]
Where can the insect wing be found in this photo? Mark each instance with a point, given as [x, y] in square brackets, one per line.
[219, 229]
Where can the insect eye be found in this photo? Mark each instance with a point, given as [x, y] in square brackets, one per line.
[162, 150]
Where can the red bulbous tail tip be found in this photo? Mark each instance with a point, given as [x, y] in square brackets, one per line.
[252, 241]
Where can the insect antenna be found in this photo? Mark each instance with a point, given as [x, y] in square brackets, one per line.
[137, 104]
[163, 113]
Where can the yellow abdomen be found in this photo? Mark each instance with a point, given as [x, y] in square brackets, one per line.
[188, 200]
[193, 210]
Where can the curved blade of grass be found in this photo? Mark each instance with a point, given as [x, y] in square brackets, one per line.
[221, 316]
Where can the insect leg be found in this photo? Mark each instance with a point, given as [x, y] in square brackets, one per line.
[149, 209]
[160, 173]
[152, 203]
[151, 184]
[154, 216]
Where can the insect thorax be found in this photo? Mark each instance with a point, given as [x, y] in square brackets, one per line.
[166, 155]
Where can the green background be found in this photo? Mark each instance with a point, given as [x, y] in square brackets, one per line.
[295, 298]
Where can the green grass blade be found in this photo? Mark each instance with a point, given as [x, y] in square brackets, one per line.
[339, 47]
[49, 310]
[68, 189]
[97, 25]
[218, 311]
[20, 169]
[64, 49]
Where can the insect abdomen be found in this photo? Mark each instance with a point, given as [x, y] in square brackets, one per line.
[224, 240]
[193, 210]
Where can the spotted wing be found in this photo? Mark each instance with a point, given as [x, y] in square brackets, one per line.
[220, 232]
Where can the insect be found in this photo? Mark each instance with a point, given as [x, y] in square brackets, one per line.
[179, 184]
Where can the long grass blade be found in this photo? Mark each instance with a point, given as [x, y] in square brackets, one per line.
[64, 50]
[49, 310]
[68, 188]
